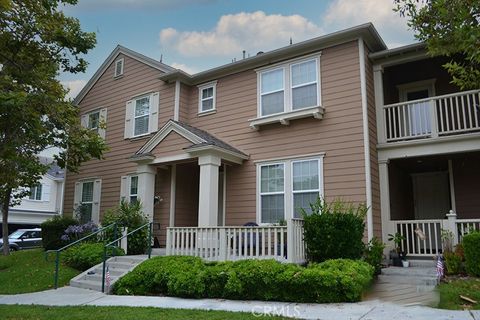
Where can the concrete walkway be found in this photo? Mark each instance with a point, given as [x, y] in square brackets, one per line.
[368, 310]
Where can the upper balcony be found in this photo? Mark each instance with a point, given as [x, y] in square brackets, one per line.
[417, 104]
[433, 117]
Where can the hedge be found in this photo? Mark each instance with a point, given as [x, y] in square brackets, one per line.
[339, 280]
[471, 248]
[86, 255]
[53, 229]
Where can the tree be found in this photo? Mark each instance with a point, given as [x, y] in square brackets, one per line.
[37, 41]
[449, 28]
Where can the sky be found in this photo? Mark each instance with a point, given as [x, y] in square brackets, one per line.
[195, 35]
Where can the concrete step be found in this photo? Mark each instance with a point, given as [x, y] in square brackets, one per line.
[414, 280]
[411, 271]
[117, 267]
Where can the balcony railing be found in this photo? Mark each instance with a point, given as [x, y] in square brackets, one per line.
[433, 117]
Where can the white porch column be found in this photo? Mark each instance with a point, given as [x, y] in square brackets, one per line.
[208, 191]
[146, 188]
[379, 101]
[387, 225]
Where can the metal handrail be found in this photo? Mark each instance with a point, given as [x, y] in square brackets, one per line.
[111, 244]
[57, 251]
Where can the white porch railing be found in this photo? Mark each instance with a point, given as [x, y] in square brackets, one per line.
[282, 243]
[423, 238]
[432, 117]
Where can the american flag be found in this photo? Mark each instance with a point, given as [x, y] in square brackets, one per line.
[440, 270]
[107, 279]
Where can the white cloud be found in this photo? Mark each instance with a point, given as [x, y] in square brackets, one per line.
[348, 13]
[242, 31]
[74, 86]
[184, 67]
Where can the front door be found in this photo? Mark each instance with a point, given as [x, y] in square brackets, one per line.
[431, 195]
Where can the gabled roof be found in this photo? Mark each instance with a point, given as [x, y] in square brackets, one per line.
[365, 31]
[120, 50]
[201, 140]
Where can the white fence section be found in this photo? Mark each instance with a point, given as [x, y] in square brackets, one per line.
[282, 243]
[423, 238]
[432, 117]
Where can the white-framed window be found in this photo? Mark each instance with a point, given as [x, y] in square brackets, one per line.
[36, 192]
[285, 187]
[289, 86]
[207, 97]
[87, 199]
[96, 120]
[133, 190]
[272, 192]
[141, 115]
[119, 65]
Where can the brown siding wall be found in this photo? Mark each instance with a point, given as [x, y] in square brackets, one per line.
[372, 135]
[186, 195]
[185, 92]
[339, 134]
[173, 144]
[161, 215]
[466, 177]
[113, 94]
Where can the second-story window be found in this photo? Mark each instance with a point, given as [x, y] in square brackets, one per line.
[288, 87]
[207, 97]
[96, 120]
[36, 192]
[142, 112]
[272, 92]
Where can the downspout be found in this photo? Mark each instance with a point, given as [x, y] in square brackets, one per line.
[366, 140]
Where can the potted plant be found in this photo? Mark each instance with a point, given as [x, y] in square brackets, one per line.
[396, 255]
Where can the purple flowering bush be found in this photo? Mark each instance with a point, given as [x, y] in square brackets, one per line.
[75, 232]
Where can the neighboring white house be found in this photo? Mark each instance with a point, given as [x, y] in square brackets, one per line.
[45, 200]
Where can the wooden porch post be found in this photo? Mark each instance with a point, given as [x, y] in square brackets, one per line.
[451, 226]
[290, 242]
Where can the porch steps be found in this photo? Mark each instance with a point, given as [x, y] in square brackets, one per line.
[414, 285]
[118, 267]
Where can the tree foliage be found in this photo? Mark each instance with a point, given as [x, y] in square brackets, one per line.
[37, 42]
[449, 28]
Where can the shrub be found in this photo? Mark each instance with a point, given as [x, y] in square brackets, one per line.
[453, 262]
[129, 215]
[53, 229]
[86, 255]
[373, 254]
[334, 231]
[471, 247]
[76, 232]
[330, 281]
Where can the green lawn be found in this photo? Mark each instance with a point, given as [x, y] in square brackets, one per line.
[118, 313]
[450, 294]
[27, 271]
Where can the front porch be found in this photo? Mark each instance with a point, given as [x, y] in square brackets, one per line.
[432, 200]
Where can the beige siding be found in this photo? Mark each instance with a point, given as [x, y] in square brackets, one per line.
[173, 144]
[339, 134]
[113, 94]
[186, 204]
[185, 92]
[372, 135]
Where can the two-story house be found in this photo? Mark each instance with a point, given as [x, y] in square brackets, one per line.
[44, 201]
[258, 139]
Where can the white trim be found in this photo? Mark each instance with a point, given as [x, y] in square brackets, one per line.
[366, 140]
[173, 186]
[213, 85]
[285, 117]
[452, 185]
[110, 59]
[304, 57]
[179, 157]
[221, 152]
[163, 132]
[288, 191]
[404, 89]
[176, 109]
[224, 204]
[115, 74]
[306, 156]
